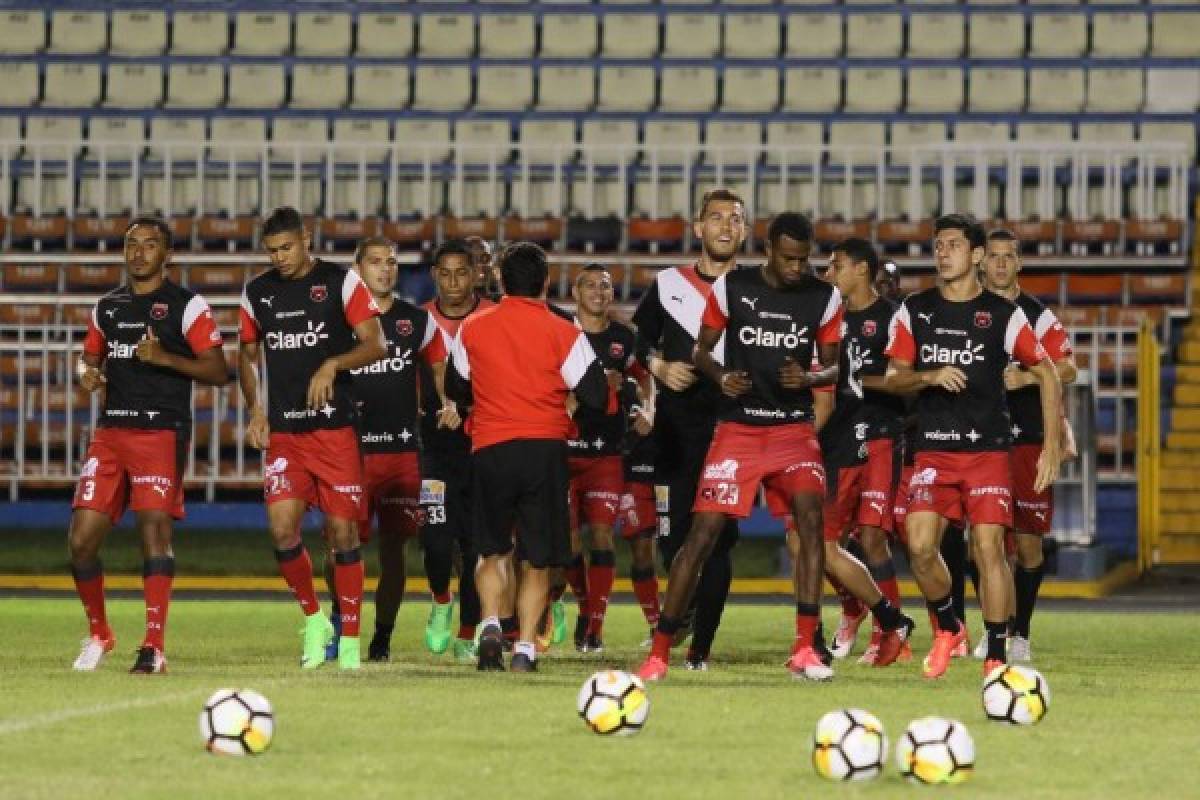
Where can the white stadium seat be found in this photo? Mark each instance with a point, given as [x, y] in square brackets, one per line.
[1175, 34]
[814, 89]
[116, 139]
[257, 33]
[382, 87]
[71, 85]
[570, 35]
[354, 136]
[442, 88]
[122, 137]
[1120, 34]
[134, 86]
[752, 35]
[873, 35]
[138, 33]
[935, 89]
[566, 88]
[183, 140]
[688, 89]
[983, 133]
[22, 32]
[995, 35]
[323, 34]
[626, 88]
[384, 35]
[195, 86]
[319, 86]
[233, 192]
[199, 33]
[873, 89]
[692, 36]
[240, 138]
[59, 136]
[182, 137]
[1056, 90]
[256, 86]
[1172, 91]
[1101, 132]
[816, 35]
[750, 89]
[669, 143]
[297, 141]
[483, 138]
[936, 35]
[1163, 132]
[362, 142]
[630, 35]
[447, 36]
[739, 139]
[506, 35]
[995, 89]
[543, 140]
[915, 134]
[504, 88]
[866, 138]
[411, 136]
[1058, 35]
[610, 141]
[78, 32]
[1115, 90]
[18, 84]
[675, 140]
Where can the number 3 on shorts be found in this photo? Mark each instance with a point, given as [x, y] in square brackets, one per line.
[88, 490]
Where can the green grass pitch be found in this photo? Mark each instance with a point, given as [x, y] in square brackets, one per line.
[1124, 722]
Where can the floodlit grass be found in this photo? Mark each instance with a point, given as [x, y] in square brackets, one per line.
[1123, 723]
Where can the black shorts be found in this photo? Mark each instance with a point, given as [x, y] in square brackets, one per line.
[523, 485]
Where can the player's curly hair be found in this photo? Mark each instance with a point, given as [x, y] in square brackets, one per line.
[791, 224]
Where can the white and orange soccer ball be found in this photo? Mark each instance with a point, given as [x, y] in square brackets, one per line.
[613, 703]
[849, 745]
[237, 722]
[936, 750]
[1016, 695]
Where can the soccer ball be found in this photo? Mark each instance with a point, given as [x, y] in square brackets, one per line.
[936, 750]
[849, 745]
[613, 702]
[1015, 694]
[237, 722]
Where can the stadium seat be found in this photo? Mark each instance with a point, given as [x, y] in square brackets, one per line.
[1120, 34]
[442, 88]
[29, 277]
[1172, 91]
[1101, 132]
[200, 86]
[379, 86]
[1116, 90]
[1058, 35]
[814, 35]
[59, 137]
[256, 86]
[871, 35]
[750, 89]
[691, 36]
[410, 132]
[783, 135]
[909, 134]
[630, 36]
[183, 140]
[676, 141]
[228, 190]
[866, 138]
[249, 134]
[690, 89]
[739, 140]
[504, 88]
[319, 86]
[606, 143]
[1047, 288]
[1170, 290]
[223, 279]
[446, 36]
[309, 133]
[995, 35]
[18, 84]
[322, 34]
[27, 314]
[799, 144]
[566, 88]
[506, 36]
[122, 137]
[384, 35]
[873, 89]
[852, 144]
[570, 35]
[134, 86]
[995, 89]
[626, 88]
[486, 143]
[361, 142]
[71, 86]
[1181, 132]
[91, 277]
[1094, 289]
[936, 35]
[116, 140]
[609, 141]
[78, 32]
[935, 89]
[1175, 34]
[138, 33]
[361, 136]
[1057, 90]
[812, 89]
[182, 137]
[752, 35]
[295, 143]
[543, 141]
[199, 33]
[262, 33]
[983, 133]
[481, 138]
[22, 32]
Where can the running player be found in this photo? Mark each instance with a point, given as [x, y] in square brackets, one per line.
[951, 344]
[446, 470]
[637, 520]
[146, 342]
[668, 320]
[315, 321]
[776, 317]
[1034, 511]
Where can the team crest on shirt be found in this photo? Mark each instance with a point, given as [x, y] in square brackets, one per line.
[983, 319]
[158, 311]
[869, 327]
[318, 293]
[404, 327]
[616, 350]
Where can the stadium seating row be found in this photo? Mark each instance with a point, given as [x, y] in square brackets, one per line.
[936, 33]
[583, 87]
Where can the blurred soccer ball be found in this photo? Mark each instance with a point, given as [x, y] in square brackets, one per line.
[1016, 695]
[237, 722]
[936, 750]
[613, 702]
[849, 745]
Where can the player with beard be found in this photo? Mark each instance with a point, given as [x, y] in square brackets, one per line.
[951, 345]
[668, 320]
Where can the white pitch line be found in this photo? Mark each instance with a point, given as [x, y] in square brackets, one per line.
[20, 725]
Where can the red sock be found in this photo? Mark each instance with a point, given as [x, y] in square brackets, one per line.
[891, 590]
[157, 576]
[443, 598]
[661, 645]
[600, 576]
[645, 587]
[806, 630]
[348, 580]
[296, 568]
[851, 607]
[466, 631]
[89, 583]
[577, 577]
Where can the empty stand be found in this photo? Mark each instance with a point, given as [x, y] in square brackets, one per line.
[322, 34]
[385, 35]
[138, 32]
[382, 87]
[570, 35]
[134, 86]
[506, 36]
[78, 32]
[199, 33]
[22, 31]
[257, 33]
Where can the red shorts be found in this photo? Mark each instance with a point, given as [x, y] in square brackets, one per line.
[785, 459]
[596, 487]
[393, 483]
[949, 484]
[1034, 511]
[132, 468]
[638, 513]
[900, 504]
[878, 485]
[843, 500]
[322, 467]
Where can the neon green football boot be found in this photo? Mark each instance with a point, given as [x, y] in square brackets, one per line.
[437, 629]
[349, 653]
[464, 651]
[558, 613]
[318, 633]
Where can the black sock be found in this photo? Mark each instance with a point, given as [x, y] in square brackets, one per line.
[887, 615]
[383, 631]
[508, 626]
[943, 609]
[711, 593]
[1027, 583]
[973, 573]
[669, 625]
[997, 637]
[954, 553]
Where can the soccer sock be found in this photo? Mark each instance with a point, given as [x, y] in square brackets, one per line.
[954, 553]
[664, 635]
[942, 611]
[997, 636]
[807, 615]
[711, 593]
[527, 649]
[851, 607]
[348, 577]
[492, 622]
[576, 574]
[645, 587]
[437, 546]
[466, 631]
[509, 627]
[89, 583]
[157, 576]
[296, 568]
[884, 575]
[886, 615]
[469, 611]
[600, 575]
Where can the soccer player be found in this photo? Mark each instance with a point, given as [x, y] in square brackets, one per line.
[312, 322]
[387, 399]
[446, 470]
[1033, 511]
[146, 342]
[638, 520]
[487, 277]
[774, 318]
[952, 344]
[515, 365]
[668, 320]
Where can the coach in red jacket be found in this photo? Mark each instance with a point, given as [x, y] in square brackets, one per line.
[515, 364]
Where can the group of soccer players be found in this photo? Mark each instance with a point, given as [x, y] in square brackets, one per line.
[500, 429]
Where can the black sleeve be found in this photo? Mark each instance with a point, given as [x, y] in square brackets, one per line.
[649, 321]
[592, 390]
[458, 388]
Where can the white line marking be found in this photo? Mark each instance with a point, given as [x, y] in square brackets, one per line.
[20, 725]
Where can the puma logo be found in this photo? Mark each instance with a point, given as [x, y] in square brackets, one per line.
[112, 312]
[677, 298]
[928, 318]
[266, 301]
[877, 506]
[348, 601]
[160, 489]
[751, 303]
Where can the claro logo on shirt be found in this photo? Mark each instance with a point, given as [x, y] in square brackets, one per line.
[761, 337]
[965, 356]
[121, 350]
[279, 340]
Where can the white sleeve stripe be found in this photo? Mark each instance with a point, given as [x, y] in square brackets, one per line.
[458, 354]
[720, 291]
[349, 284]
[831, 308]
[1017, 321]
[247, 307]
[431, 328]
[899, 319]
[95, 319]
[1045, 322]
[577, 362]
[194, 310]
